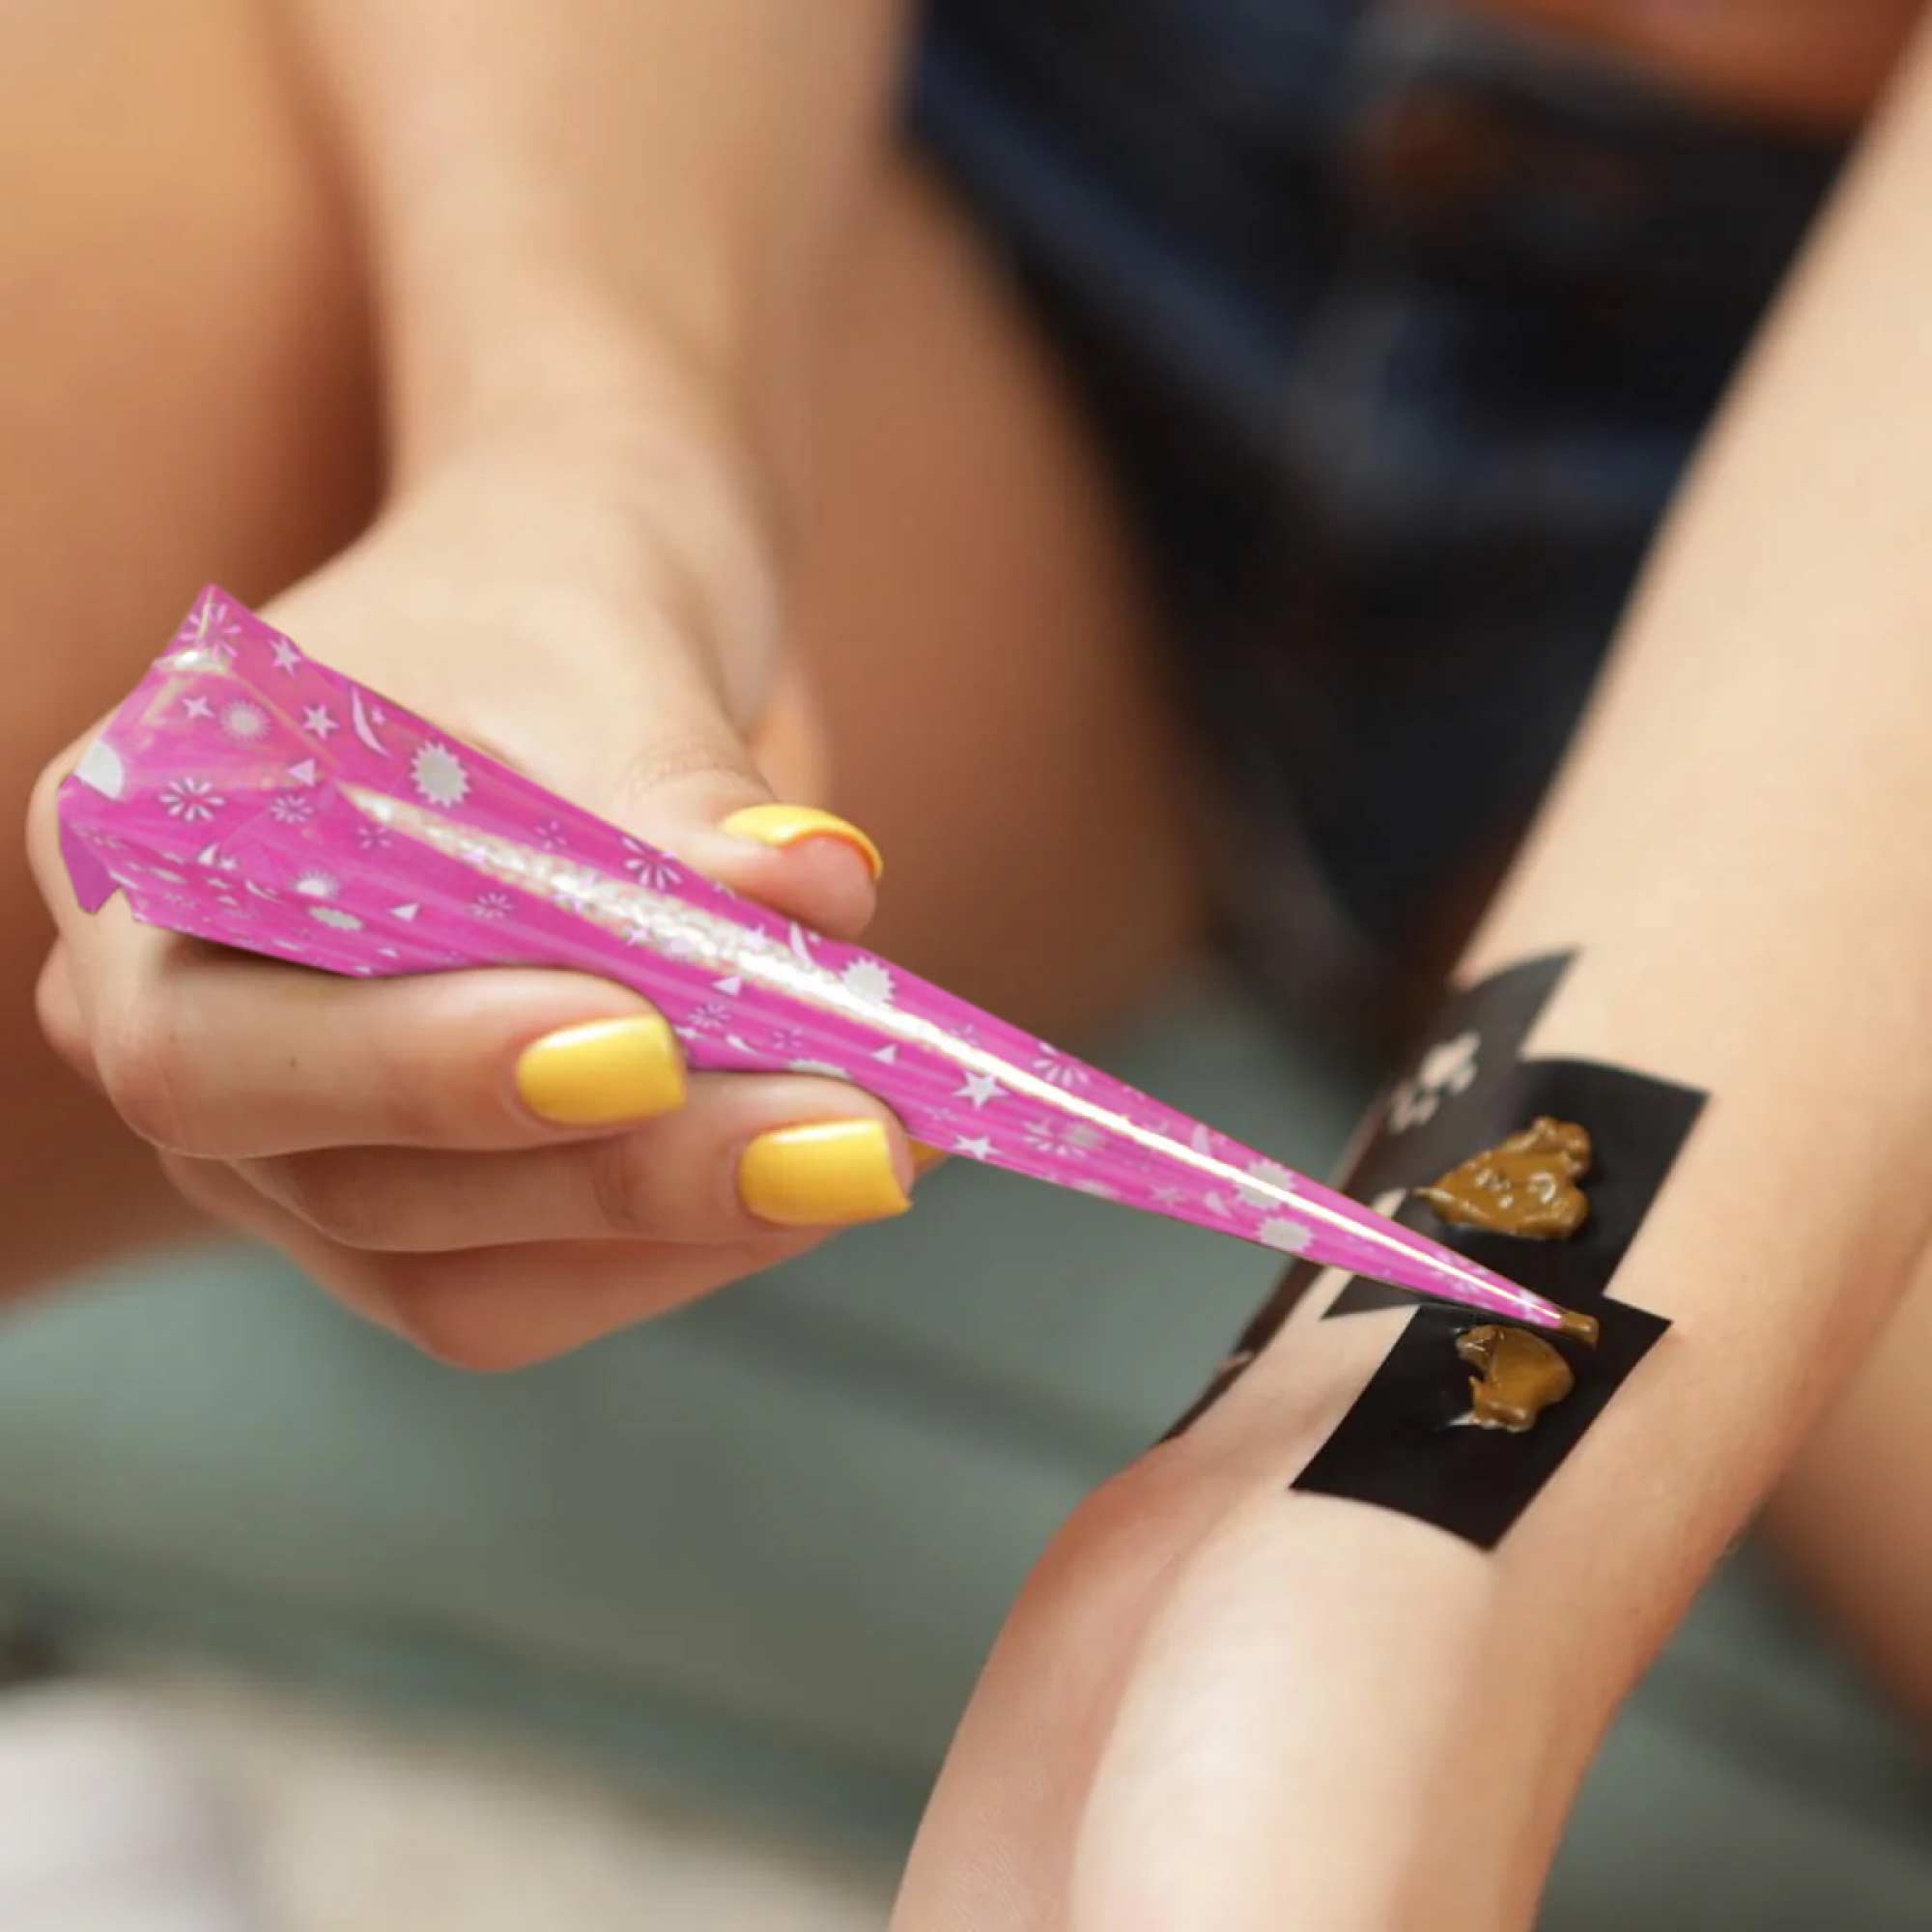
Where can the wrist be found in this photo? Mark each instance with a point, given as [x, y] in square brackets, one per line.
[624, 495]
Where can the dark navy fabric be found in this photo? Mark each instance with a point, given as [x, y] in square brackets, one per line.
[1397, 328]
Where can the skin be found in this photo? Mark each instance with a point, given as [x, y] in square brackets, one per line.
[1235, 1707]
[660, 517]
[1811, 64]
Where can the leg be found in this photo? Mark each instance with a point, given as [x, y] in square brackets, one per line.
[980, 638]
[186, 392]
[197, 402]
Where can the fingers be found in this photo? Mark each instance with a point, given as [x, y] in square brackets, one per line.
[742, 1157]
[217, 1054]
[491, 1309]
[687, 785]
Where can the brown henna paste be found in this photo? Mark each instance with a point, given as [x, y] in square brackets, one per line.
[1520, 1375]
[1528, 1185]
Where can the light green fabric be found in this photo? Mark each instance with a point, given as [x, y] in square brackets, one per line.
[759, 1548]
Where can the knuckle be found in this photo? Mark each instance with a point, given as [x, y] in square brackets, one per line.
[141, 1075]
[198, 1184]
[431, 1310]
[420, 1103]
[676, 758]
[332, 1194]
[59, 1016]
[621, 1186]
[40, 805]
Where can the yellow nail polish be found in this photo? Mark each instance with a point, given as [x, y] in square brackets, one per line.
[786, 825]
[923, 1158]
[604, 1072]
[821, 1176]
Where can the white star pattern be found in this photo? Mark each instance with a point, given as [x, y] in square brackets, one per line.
[291, 808]
[1167, 1197]
[197, 707]
[287, 657]
[371, 836]
[316, 719]
[438, 776]
[193, 801]
[980, 1088]
[976, 1147]
[492, 905]
[550, 836]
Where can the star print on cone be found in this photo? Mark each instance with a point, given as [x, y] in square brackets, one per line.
[248, 795]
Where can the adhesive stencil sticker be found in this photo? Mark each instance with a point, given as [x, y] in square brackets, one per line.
[1403, 1444]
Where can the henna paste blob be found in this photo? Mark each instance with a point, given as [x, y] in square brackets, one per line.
[1520, 1375]
[1527, 1186]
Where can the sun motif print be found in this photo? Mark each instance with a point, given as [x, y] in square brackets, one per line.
[247, 724]
[869, 979]
[1269, 1181]
[438, 776]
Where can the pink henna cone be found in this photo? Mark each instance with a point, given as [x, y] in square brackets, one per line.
[248, 795]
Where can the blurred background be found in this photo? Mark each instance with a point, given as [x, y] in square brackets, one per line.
[672, 1632]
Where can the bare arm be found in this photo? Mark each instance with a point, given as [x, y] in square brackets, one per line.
[1277, 1708]
[588, 204]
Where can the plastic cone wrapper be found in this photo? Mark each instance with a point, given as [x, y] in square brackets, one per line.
[248, 795]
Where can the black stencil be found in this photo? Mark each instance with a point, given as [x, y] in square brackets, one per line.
[1399, 1446]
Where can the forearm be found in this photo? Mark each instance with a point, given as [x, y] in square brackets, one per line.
[573, 205]
[1735, 855]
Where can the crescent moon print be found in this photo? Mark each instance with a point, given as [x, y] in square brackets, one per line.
[358, 720]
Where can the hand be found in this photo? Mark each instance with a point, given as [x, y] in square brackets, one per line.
[456, 1155]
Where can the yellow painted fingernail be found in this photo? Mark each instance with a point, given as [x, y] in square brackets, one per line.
[787, 825]
[821, 1176]
[604, 1072]
[924, 1158]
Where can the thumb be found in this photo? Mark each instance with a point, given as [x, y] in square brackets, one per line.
[688, 782]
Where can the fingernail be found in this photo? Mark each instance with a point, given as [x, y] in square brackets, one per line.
[787, 825]
[923, 1158]
[821, 1176]
[604, 1072]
